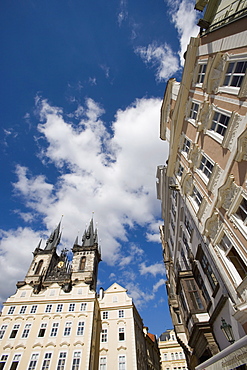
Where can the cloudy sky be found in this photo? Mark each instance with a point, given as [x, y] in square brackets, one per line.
[81, 91]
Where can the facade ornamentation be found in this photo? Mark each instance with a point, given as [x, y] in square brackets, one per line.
[215, 74]
[242, 147]
[187, 184]
[194, 156]
[230, 134]
[227, 193]
[212, 225]
[214, 178]
[204, 116]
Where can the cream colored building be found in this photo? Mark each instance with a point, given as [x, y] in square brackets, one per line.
[56, 320]
[203, 187]
[171, 353]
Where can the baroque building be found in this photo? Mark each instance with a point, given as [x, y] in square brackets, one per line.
[56, 319]
[171, 353]
[203, 190]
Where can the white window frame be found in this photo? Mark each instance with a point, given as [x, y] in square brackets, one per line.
[61, 360]
[122, 362]
[194, 196]
[232, 89]
[11, 310]
[232, 213]
[48, 308]
[105, 315]
[102, 362]
[80, 328]
[121, 314]
[43, 327]
[33, 308]
[215, 135]
[54, 329]
[104, 335]
[187, 144]
[120, 332]
[46, 361]
[33, 361]
[76, 360]
[16, 327]
[200, 171]
[193, 120]
[83, 306]
[71, 307]
[23, 309]
[26, 330]
[3, 329]
[67, 329]
[59, 307]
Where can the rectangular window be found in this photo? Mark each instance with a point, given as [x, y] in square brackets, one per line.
[59, 307]
[61, 361]
[121, 362]
[192, 292]
[11, 310]
[83, 306]
[201, 73]
[48, 308]
[241, 212]
[186, 145]
[194, 110]
[180, 170]
[105, 315]
[102, 363]
[220, 123]
[238, 262]
[104, 335]
[67, 329]
[42, 330]
[3, 330]
[46, 362]
[76, 361]
[121, 313]
[208, 271]
[14, 331]
[33, 361]
[235, 73]
[121, 335]
[72, 307]
[23, 309]
[33, 309]
[186, 244]
[187, 225]
[54, 329]
[3, 361]
[206, 166]
[80, 328]
[15, 362]
[26, 330]
[196, 196]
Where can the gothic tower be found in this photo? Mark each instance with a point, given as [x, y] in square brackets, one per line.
[86, 258]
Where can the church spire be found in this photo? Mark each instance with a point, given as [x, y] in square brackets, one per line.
[54, 238]
[90, 236]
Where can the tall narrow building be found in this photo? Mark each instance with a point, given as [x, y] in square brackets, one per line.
[56, 319]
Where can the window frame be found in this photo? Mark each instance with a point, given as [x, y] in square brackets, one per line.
[3, 329]
[204, 170]
[105, 315]
[33, 361]
[104, 335]
[48, 308]
[122, 362]
[121, 334]
[80, 328]
[33, 308]
[54, 329]
[26, 330]
[46, 361]
[61, 360]
[67, 329]
[11, 310]
[121, 314]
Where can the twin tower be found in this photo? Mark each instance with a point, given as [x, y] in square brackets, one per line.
[48, 267]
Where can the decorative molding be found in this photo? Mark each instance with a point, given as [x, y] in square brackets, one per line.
[8, 346]
[216, 71]
[121, 347]
[243, 89]
[194, 156]
[64, 344]
[187, 184]
[212, 225]
[227, 193]
[37, 345]
[70, 315]
[202, 208]
[181, 142]
[215, 175]
[242, 147]
[50, 344]
[204, 116]
[79, 343]
[20, 346]
[104, 350]
[231, 130]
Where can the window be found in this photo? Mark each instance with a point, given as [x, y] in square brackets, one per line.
[72, 307]
[186, 244]
[23, 309]
[38, 267]
[201, 73]
[59, 307]
[241, 212]
[26, 330]
[187, 225]
[82, 263]
[122, 362]
[219, 123]
[165, 357]
[196, 196]
[15, 362]
[121, 335]
[54, 329]
[46, 362]
[202, 286]
[61, 361]
[102, 363]
[3, 330]
[172, 356]
[76, 361]
[192, 293]
[186, 145]
[3, 361]
[23, 294]
[104, 335]
[80, 328]
[33, 361]
[105, 315]
[181, 355]
[235, 73]
[234, 256]
[194, 110]
[121, 313]
[83, 306]
[11, 310]
[14, 331]
[208, 271]
[206, 166]
[48, 308]
[67, 329]
[180, 170]
[42, 330]
[33, 309]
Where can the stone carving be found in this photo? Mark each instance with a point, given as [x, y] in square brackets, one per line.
[215, 175]
[243, 89]
[204, 116]
[227, 193]
[187, 184]
[231, 130]
[212, 225]
[242, 147]
[194, 156]
[216, 72]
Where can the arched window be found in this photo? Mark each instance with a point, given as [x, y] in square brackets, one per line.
[82, 263]
[37, 271]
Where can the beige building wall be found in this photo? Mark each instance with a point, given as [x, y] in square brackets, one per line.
[171, 353]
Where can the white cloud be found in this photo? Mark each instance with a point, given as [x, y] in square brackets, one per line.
[184, 17]
[155, 269]
[158, 285]
[139, 296]
[123, 13]
[161, 57]
[113, 176]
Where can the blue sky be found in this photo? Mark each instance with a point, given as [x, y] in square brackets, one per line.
[81, 90]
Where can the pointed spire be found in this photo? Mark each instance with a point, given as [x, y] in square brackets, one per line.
[90, 236]
[76, 241]
[54, 238]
